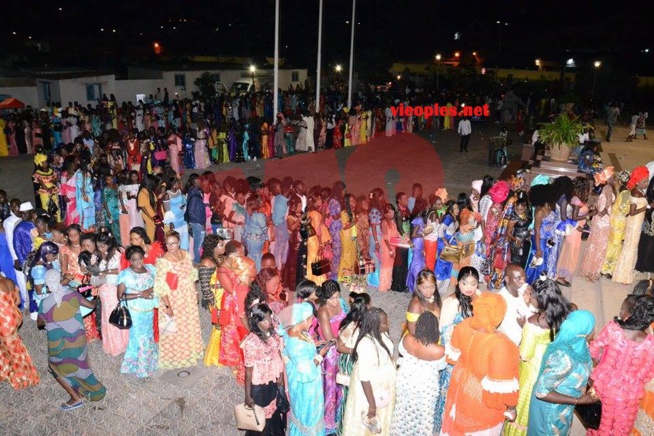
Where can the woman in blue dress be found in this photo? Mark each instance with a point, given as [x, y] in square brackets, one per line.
[377, 205]
[304, 374]
[189, 151]
[446, 237]
[255, 233]
[563, 377]
[85, 195]
[543, 241]
[175, 207]
[135, 284]
[418, 259]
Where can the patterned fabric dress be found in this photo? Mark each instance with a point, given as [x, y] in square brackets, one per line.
[348, 335]
[547, 227]
[184, 348]
[624, 269]
[418, 259]
[416, 392]
[67, 352]
[335, 227]
[114, 340]
[569, 256]
[331, 390]
[349, 255]
[141, 356]
[535, 340]
[600, 227]
[617, 222]
[15, 362]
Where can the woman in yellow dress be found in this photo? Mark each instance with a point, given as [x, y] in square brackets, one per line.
[448, 123]
[4, 145]
[48, 191]
[619, 212]
[349, 255]
[174, 285]
[538, 332]
[319, 237]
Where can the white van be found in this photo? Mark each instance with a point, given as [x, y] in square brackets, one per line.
[242, 86]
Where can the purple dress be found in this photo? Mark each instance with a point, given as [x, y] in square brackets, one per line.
[333, 392]
[335, 227]
[418, 260]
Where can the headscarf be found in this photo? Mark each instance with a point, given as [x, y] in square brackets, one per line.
[442, 194]
[53, 283]
[572, 336]
[39, 159]
[623, 177]
[603, 176]
[499, 191]
[476, 185]
[541, 179]
[517, 182]
[464, 216]
[637, 175]
[292, 315]
[488, 312]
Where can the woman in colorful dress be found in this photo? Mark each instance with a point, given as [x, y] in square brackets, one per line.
[290, 270]
[128, 194]
[363, 228]
[84, 196]
[518, 232]
[563, 377]
[201, 154]
[377, 205]
[600, 227]
[455, 309]
[542, 197]
[330, 315]
[421, 360]
[48, 192]
[617, 222]
[174, 203]
[146, 202]
[255, 232]
[68, 190]
[373, 376]
[213, 249]
[111, 206]
[624, 269]
[349, 255]
[418, 259]
[335, 226]
[114, 340]
[16, 365]
[303, 370]
[446, 237]
[537, 334]
[484, 384]
[625, 352]
[425, 299]
[68, 362]
[264, 369]
[135, 285]
[388, 232]
[320, 238]
[175, 287]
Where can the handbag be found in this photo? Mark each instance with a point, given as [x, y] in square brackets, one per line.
[247, 418]
[161, 155]
[343, 379]
[366, 266]
[451, 253]
[382, 398]
[590, 415]
[320, 266]
[169, 326]
[120, 316]
[283, 406]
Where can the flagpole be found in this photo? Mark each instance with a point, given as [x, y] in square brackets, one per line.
[349, 89]
[319, 58]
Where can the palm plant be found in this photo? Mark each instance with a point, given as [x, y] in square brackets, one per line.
[562, 131]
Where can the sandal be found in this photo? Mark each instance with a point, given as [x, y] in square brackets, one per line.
[563, 282]
[65, 407]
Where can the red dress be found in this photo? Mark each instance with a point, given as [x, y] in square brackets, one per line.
[15, 362]
[232, 309]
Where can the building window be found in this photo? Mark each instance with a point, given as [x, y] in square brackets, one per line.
[295, 76]
[93, 92]
[180, 80]
[47, 92]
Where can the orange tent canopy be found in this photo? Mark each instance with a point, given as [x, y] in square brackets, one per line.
[12, 103]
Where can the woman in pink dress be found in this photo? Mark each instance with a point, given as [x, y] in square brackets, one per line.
[11, 137]
[625, 352]
[201, 153]
[600, 227]
[174, 149]
[389, 230]
[68, 189]
[569, 256]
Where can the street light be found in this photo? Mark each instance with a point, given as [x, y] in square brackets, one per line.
[252, 70]
[438, 71]
[597, 65]
[457, 54]
[338, 68]
[399, 77]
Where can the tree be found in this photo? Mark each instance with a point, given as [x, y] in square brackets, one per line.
[207, 86]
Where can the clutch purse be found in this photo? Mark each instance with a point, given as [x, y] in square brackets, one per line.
[172, 280]
[169, 326]
[247, 418]
[161, 155]
[120, 316]
[397, 241]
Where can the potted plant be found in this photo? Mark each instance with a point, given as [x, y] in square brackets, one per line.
[561, 135]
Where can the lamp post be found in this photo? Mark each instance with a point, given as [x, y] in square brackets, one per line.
[318, 68]
[252, 70]
[438, 71]
[349, 88]
[499, 51]
[597, 65]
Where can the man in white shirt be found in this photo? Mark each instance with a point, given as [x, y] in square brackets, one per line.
[465, 130]
[517, 306]
[9, 225]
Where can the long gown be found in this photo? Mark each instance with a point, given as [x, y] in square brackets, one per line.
[618, 221]
[349, 255]
[142, 354]
[547, 228]
[304, 387]
[600, 227]
[112, 219]
[85, 206]
[645, 262]
[416, 392]
[313, 245]
[418, 259]
[16, 365]
[331, 391]
[624, 269]
[184, 348]
[335, 227]
[69, 191]
[569, 256]
[535, 340]
[114, 340]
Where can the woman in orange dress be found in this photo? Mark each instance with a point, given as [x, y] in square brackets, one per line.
[15, 362]
[389, 231]
[484, 385]
[319, 238]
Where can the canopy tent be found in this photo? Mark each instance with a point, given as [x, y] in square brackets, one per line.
[12, 103]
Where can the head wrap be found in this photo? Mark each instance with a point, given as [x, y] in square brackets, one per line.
[603, 176]
[541, 179]
[476, 185]
[442, 194]
[464, 216]
[516, 182]
[489, 311]
[623, 177]
[637, 175]
[572, 336]
[499, 191]
[40, 158]
[53, 283]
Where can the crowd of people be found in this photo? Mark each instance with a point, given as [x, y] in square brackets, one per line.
[113, 227]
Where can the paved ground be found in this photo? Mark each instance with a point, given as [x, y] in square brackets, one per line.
[203, 402]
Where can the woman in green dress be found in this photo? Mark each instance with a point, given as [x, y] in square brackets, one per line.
[111, 206]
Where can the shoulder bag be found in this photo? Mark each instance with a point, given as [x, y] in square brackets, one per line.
[253, 419]
[120, 316]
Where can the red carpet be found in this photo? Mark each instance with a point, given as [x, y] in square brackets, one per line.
[394, 163]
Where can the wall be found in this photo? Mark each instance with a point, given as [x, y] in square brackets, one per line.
[75, 89]
[26, 94]
[126, 90]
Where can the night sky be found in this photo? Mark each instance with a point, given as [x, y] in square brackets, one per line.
[397, 30]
